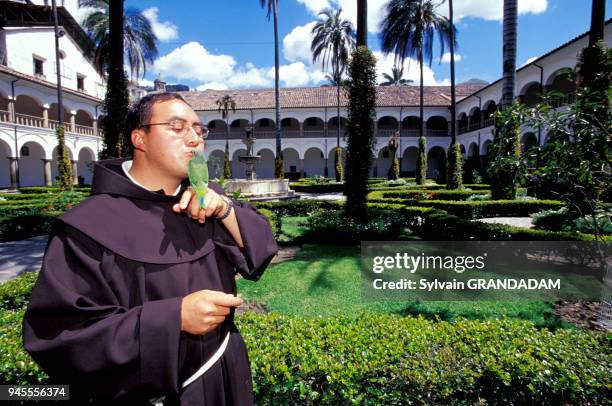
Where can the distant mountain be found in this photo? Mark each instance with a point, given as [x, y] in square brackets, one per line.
[475, 81]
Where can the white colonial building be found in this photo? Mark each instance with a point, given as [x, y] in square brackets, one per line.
[28, 96]
[309, 120]
[28, 110]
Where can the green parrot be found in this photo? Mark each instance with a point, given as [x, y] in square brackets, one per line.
[198, 175]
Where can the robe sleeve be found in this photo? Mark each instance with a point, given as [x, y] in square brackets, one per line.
[78, 332]
[259, 243]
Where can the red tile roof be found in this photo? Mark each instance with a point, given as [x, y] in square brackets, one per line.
[303, 97]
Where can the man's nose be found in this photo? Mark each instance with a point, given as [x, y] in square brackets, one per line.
[192, 137]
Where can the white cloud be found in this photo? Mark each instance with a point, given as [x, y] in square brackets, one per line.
[296, 44]
[528, 61]
[193, 61]
[491, 10]
[212, 86]
[484, 9]
[165, 31]
[315, 6]
[446, 57]
[384, 64]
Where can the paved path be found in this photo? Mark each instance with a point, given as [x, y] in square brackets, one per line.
[321, 196]
[511, 221]
[21, 256]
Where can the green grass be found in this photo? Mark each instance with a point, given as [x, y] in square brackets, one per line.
[325, 281]
[291, 228]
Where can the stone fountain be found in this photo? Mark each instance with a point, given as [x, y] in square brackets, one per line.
[258, 189]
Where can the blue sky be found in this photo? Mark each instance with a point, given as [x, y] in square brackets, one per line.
[229, 44]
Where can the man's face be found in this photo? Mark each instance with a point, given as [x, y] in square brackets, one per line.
[166, 148]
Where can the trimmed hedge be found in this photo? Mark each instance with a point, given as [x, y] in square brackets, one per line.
[438, 225]
[433, 194]
[26, 226]
[318, 188]
[381, 359]
[389, 360]
[298, 207]
[15, 293]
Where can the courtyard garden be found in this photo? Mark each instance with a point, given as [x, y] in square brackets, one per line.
[313, 339]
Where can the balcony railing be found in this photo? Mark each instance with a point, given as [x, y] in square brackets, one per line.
[30, 121]
[488, 122]
[39, 122]
[240, 134]
[563, 100]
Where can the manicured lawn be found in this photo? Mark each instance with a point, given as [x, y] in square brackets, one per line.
[325, 281]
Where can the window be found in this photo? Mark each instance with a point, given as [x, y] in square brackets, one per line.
[25, 151]
[311, 121]
[212, 125]
[265, 122]
[292, 168]
[38, 66]
[81, 83]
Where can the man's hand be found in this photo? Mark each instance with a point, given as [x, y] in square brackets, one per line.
[204, 310]
[215, 206]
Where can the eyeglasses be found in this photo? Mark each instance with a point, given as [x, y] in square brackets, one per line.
[182, 128]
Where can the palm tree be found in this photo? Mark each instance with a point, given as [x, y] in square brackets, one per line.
[409, 30]
[509, 52]
[278, 161]
[140, 42]
[225, 104]
[454, 177]
[395, 78]
[332, 42]
[362, 23]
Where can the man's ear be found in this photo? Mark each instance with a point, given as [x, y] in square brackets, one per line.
[138, 139]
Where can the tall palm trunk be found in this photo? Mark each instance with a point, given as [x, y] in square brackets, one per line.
[452, 74]
[454, 177]
[279, 157]
[362, 23]
[509, 53]
[116, 100]
[598, 12]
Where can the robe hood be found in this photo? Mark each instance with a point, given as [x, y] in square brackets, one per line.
[136, 223]
[109, 178]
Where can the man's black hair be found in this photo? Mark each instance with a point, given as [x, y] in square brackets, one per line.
[140, 112]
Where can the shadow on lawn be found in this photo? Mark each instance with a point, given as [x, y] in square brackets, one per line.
[545, 318]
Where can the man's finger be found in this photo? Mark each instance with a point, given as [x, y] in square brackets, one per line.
[226, 300]
[185, 198]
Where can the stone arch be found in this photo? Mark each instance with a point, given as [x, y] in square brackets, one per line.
[291, 161]
[409, 159]
[4, 106]
[474, 118]
[265, 166]
[217, 129]
[411, 123]
[484, 148]
[290, 124]
[437, 126]
[216, 163]
[383, 161]
[86, 159]
[562, 82]
[489, 108]
[436, 164]
[462, 123]
[387, 123]
[314, 162]
[560, 74]
[265, 124]
[530, 94]
[5, 164]
[54, 115]
[31, 168]
[29, 111]
[238, 168]
[313, 124]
